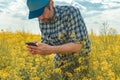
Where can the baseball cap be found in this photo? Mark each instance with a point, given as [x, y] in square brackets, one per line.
[36, 7]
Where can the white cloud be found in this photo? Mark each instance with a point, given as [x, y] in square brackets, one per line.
[9, 23]
[111, 0]
[68, 1]
[95, 1]
[109, 16]
[19, 9]
[16, 8]
[1, 0]
[108, 5]
[79, 6]
[92, 1]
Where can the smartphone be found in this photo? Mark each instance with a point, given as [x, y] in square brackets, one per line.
[31, 43]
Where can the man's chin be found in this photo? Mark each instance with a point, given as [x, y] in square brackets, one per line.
[46, 20]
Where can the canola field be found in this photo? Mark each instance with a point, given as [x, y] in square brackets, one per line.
[17, 64]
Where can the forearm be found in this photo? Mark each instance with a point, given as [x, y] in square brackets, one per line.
[66, 48]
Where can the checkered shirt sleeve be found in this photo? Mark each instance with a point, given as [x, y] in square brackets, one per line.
[77, 29]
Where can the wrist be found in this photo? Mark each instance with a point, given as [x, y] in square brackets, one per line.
[53, 49]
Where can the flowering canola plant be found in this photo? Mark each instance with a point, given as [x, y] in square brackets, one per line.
[17, 64]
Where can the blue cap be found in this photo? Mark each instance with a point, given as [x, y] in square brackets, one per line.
[36, 7]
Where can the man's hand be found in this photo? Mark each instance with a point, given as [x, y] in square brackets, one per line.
[45, 49]
[41, 48]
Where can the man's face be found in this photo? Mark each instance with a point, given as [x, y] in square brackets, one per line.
[47, 15]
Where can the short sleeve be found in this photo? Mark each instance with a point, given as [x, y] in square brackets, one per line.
[77, 29]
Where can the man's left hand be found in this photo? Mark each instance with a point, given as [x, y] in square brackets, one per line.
[41, 48]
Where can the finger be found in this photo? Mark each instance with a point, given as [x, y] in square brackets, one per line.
[32, 47]
[39, 44]
[37, 51]
[33, 52]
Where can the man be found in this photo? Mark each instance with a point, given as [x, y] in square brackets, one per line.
[63, 33]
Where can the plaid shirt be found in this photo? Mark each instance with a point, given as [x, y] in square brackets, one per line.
[66, 26]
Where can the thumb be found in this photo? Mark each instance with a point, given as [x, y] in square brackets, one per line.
[38, 43]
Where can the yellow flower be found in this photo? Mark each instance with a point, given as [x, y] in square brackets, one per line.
[85, 78]
[69, 74]
[16, 63]
[81, 60]
[35, 78]
[99, 78]
[3, 74]
[77, 70]
[76, 55]
[111, 74]
[58, 70]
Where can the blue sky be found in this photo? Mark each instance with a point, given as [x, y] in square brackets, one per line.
[14, 13]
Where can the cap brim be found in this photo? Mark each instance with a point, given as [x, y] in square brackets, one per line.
[36, 13]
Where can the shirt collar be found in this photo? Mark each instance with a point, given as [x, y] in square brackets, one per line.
[57, 12]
